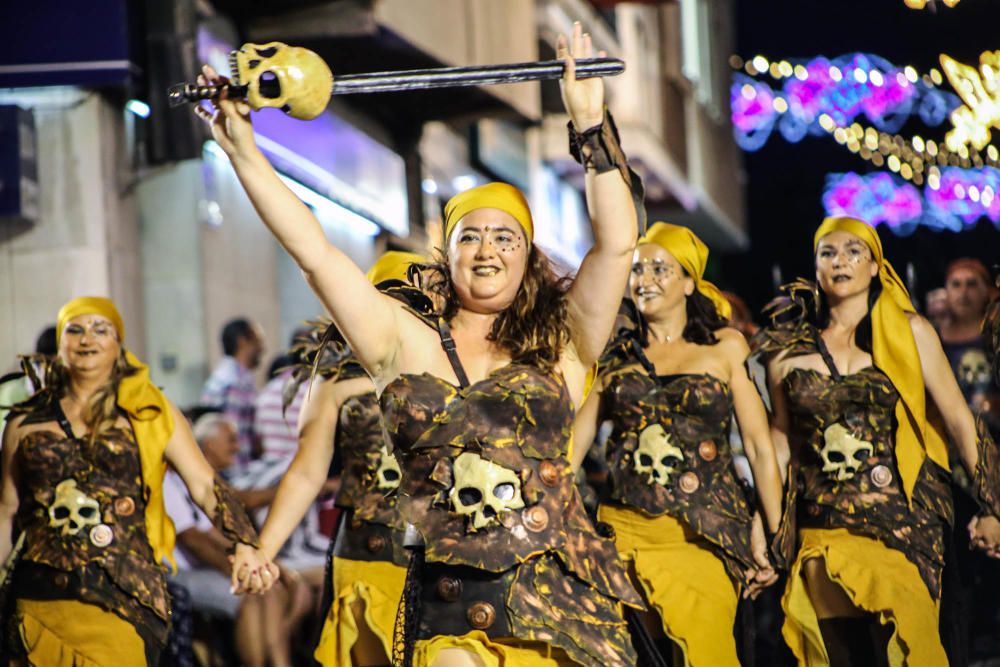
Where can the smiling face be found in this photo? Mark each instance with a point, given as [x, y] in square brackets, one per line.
[844, 265]
[657, 283]
[89, 344]
[487, 258]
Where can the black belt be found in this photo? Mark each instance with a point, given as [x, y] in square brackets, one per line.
[364, 541]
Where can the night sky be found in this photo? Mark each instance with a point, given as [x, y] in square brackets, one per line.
[784, 181]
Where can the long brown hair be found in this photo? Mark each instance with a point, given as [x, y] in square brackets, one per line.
[101, 412]
[532, 329]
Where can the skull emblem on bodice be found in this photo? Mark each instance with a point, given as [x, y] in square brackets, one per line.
[843, 453]
[483, 490]
[657, 457]
[388, 474]
[72, 509]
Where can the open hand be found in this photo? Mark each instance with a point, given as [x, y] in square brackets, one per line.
[583, 98]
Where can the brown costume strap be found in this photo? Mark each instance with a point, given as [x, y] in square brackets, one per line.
[986, 477]
[231, 517]
[606, 155]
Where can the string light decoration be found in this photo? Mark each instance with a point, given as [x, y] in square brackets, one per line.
[953, 199]
[980, 90]
[844, 89]
[920, 4]
[862, 109]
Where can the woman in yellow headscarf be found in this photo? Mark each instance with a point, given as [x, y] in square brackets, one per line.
[478, 400]
[83, 466]
[850, 367]
[680, 515]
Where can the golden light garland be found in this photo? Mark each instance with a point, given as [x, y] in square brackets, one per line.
[980, 90]
[920, 4]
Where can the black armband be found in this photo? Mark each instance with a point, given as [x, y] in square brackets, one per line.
[606, 155]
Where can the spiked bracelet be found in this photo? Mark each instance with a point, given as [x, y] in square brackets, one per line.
[606, 155]
[231, 516]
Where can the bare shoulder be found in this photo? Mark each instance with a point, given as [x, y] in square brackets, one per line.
[12, 431]
[732, 343]
[923, 331]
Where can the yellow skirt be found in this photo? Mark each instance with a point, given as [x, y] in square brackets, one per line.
[69, 633]
[498, 653]
[380, 586]
[683, 579]
[878, 580]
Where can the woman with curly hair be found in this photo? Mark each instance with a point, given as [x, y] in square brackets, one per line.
[83, 467]
[862, 395]
[478, 401]
[668, 386]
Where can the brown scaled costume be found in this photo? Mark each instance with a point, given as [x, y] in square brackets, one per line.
[88, 586]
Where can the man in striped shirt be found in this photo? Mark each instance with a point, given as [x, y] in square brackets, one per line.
[232, 387]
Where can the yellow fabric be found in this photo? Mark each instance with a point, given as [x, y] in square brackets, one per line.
[393, 265]
[151, 419]
[69, 633]
[894, 352]
[492, 653]
[89, 305]
[692, 254]
[500, 196]
[380, 585]
[683, 580]
[878, 580]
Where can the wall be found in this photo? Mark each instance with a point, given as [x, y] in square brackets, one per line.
[86, 240]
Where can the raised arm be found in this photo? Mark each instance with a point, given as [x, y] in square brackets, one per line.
[754, 429]
[367, 318]
[600, 283]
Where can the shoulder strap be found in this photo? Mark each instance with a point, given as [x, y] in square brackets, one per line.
[448, 343]
[827, 357]
[62, 420]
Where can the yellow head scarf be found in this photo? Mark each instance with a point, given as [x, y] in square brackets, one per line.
[393, 265]
[149, 413]
[894, 352]
[501, 196]
[692, 254]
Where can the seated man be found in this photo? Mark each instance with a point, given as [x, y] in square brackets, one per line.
[263, 624]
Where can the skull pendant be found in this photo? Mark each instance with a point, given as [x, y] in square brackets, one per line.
[973, 369]
[289, 78]
[483, 490]
[657, 457]
[72, 509]
[843, 453]
[388, 474]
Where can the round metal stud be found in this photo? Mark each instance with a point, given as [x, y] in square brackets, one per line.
[548, 472]
[124, 506]
[481, 615]
[449, 589]
[61, 580]
[535, 519]
[689, 482]
[101, 535]
[707, 450]
[881, 476]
